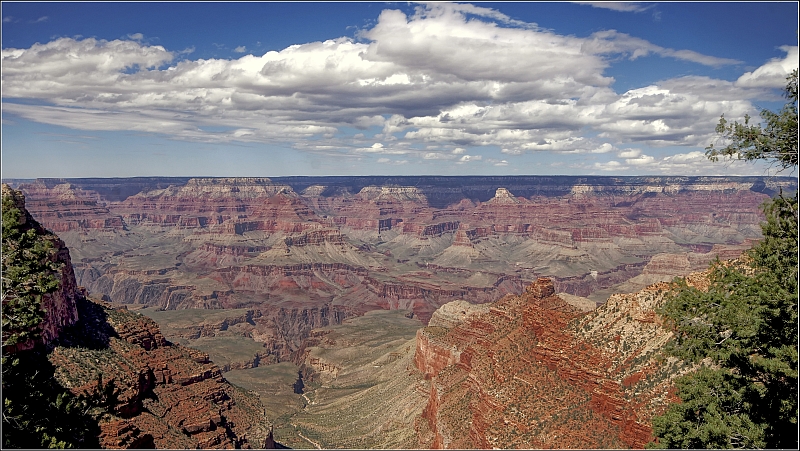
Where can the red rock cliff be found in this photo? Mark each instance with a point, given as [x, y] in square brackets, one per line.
[534, 372]
[167, 396]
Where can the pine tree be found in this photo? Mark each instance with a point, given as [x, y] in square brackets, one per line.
[28, 272]
[37, 411]
[743, 331]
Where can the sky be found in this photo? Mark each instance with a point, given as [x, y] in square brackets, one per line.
[366, 88]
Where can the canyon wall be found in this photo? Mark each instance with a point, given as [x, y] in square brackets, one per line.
[348, 245]
[532, 371]
[153, 393]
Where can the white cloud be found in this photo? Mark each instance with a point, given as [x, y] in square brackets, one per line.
[629, 153]
[468, 158]
[610, 166]
[379, 148]
[691, 157]
[632, 7]
[451, 76]
[614, 42]
[604, 148]
[641, 160]
[437, 156]
[773, 73]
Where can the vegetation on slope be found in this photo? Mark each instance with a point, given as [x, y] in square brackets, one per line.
[37, 411]
[744, 328]
[28, 273]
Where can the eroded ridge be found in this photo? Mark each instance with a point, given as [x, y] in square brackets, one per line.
[534, 371]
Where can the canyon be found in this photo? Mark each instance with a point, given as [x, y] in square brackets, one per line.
[144, 391]
[308, 252]
[501, 289]
[355, 244]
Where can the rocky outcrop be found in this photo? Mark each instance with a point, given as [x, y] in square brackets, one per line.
[315, 238]
[144, 391]
[59, 306]
[65, 207]
[503, 196]
[212, 255]
[161, 394]
[533, 371]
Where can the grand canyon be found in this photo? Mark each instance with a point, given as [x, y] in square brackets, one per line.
[385, 312]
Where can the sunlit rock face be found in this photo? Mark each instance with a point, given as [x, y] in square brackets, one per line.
[533, 371]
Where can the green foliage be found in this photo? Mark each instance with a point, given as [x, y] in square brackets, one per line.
[28, 273]
[776, 141]
[713, 414]
[744, 328]
[38, 412]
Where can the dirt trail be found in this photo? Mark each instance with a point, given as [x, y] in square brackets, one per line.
[307, 439]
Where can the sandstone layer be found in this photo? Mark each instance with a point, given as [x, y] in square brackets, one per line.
[533, 371]
[307, 252]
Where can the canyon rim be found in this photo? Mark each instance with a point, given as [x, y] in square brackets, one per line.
[399, 225]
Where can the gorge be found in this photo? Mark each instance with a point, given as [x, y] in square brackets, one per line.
[498, 288]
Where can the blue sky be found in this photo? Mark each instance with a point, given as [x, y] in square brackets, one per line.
[275, 89]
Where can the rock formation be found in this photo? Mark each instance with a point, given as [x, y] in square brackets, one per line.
[59, 306]
[165, 395]
[532, 371]
[153, 393]
[347, 245]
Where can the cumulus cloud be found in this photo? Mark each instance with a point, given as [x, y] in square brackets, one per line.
[379, 148]
[468, 158]
[451, 76]
[604, 148]
[773, 73]
[629, 153]
[641, 160]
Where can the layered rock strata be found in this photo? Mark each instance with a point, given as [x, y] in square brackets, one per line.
[533, 371]
[354, 244]
[163, 395]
